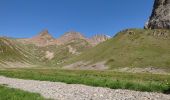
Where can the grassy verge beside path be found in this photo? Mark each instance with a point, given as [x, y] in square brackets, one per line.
[110, 79]
[16, 94]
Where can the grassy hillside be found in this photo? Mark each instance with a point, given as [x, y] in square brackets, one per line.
[60, 53]
[16, 52]
[129, 48]
[9, 51]
[132, 48]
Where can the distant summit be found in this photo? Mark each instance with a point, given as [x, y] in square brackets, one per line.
[44, 35]
[160, 17]
[45, 39]
[69, 36]
[42, 39]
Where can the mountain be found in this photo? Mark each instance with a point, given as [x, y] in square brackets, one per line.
[43, 49]
[45, 39]
[43, 36]
[160, 17]
[70, 36]
[42, 39]
[130, 48]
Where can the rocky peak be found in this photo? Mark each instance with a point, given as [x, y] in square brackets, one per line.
[69, 36]
[160, 17]
[44, 35]
[42, 39]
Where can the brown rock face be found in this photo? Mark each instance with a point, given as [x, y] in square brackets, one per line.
[44, 35]
[98, 39]
[42, 39]
[160, 18]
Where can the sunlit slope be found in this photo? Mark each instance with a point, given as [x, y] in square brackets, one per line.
[132, 48]
[9, 51]
[62, 53]
[12, 53]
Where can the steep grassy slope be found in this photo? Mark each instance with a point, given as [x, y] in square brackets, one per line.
[132, 48]
[10, 52]
[14, 54]
[62, 53]
[59, 53]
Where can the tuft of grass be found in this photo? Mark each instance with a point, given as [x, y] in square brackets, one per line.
[16, 94]
[110, 79]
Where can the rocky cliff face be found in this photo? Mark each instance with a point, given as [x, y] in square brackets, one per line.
[160, 18]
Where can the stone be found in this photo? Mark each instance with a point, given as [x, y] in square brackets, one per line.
[160, 17]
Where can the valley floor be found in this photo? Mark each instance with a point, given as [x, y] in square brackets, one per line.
[62, 91]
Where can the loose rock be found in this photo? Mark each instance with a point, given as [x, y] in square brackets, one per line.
[62, 91]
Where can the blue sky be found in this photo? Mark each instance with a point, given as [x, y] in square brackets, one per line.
[26, 18]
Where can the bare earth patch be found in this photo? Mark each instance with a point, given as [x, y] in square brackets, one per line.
[143, 70]
[72, 50]
[62, 91]
[49, 55]
[87, 66]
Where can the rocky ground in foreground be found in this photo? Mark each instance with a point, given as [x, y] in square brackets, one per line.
[62, 91]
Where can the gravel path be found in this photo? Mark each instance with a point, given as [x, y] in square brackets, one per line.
[62, 91]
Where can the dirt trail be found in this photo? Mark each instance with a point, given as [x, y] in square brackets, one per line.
[62, 91]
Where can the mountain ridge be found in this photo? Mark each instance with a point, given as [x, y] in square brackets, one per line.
[44, 38]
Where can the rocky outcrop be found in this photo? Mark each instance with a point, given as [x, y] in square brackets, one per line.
[98, 39]
[160, 18]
